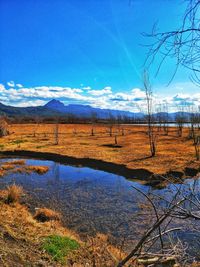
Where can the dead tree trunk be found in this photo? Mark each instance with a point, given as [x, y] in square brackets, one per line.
[150, 121]
[56, 133]
[3, 127]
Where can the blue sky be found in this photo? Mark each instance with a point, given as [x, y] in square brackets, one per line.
[88, 52]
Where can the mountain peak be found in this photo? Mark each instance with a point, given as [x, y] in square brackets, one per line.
[54, 101]
[54, 104]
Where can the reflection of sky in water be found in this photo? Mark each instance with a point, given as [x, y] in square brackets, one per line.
[89, 200]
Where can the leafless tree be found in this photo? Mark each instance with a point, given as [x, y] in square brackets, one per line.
[150, 119]
[182, 44]
[162, 118]
[180, 119]
[192, 121]
[37, 120]
[93, 121]
[116, 142]
[182, 205]
[75, 130]
[3, 127]
[196, 138]
[111, 122]
[56, 132]
[194, 133]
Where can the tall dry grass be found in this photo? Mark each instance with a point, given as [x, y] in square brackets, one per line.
[14, 193]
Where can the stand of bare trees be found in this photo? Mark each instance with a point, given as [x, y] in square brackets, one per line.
[182, 44]
[180, 120]
[162, 118]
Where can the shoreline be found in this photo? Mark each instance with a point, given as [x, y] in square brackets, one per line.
[141, 174]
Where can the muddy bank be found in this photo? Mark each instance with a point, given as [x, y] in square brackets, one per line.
[119, 169]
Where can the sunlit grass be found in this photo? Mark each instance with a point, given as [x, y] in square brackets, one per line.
[44, 215]
[59, 246]
[173, 152]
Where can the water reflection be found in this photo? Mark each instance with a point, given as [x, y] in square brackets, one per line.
[90, 200]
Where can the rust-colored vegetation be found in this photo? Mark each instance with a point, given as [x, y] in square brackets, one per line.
[23, 234]
[23, 239]
[132, 149]
[37, 169]
[45, 215]
[19, 166]
[12, 194]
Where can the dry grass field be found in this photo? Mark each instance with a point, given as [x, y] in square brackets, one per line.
[26, 240]
[132, 149]
[27, 237]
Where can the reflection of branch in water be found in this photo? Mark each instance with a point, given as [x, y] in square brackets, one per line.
[184, 204]
[100, 204]
[56, 171]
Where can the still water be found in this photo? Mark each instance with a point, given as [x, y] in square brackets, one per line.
[92, 201]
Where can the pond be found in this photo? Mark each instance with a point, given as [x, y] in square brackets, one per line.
[92, 201]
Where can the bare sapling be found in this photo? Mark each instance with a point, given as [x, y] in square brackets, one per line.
[166, 120]
[3, 127]
[116, 140]
[56, 133]
[180, 119]
[162, 118]
[150, 119]
[37, 125]
[93, 121]
[111, 122]
[195, 134]
[194, 131]
[74, 131]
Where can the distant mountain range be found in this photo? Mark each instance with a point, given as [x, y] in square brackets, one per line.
[88, 111]
[55, 108]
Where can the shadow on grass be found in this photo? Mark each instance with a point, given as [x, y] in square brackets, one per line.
[140, 159]
[112, 146]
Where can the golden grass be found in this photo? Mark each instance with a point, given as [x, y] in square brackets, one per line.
[45, 215]
[7, 166]
[37, 169]
[17, 162]
[19, 166]
[2, 173]
[13, 193]
[22, 236]
[173, 153]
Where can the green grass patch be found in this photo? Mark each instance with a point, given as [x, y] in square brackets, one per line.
[40, 146]
[18, 141]
[59, 247]
[1, 147]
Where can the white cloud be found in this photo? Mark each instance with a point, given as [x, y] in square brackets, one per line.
[87, 88]
[2, 88]
[19, 85]
[31, 103]
[138, 93]
[133, 100]
[104, 91]
[11, 84]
